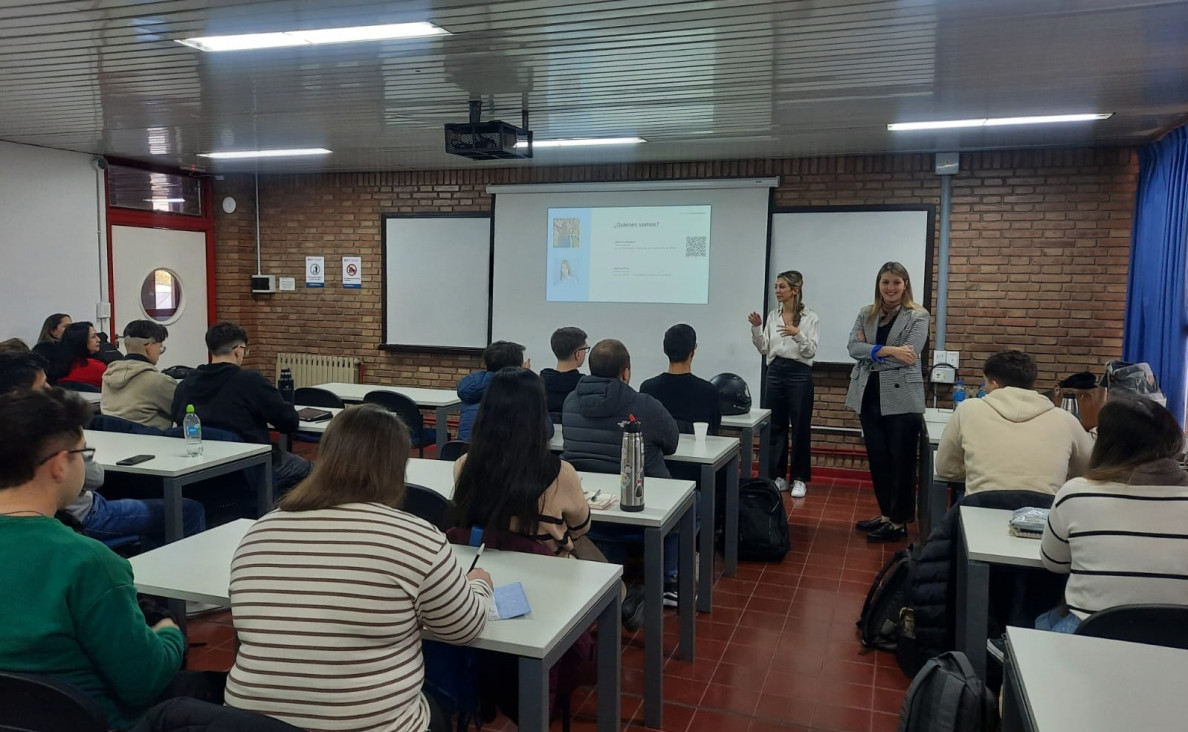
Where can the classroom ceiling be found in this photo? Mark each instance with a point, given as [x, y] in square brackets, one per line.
[699, 80]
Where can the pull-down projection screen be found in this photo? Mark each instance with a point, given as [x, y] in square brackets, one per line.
[627, 261]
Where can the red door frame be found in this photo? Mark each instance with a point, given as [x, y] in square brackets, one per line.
[163, 220]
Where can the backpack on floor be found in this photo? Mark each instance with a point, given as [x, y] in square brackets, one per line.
[762, 522]
[947, 696]
[878, 623]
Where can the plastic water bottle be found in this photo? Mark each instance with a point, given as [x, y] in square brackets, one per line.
[982, 390]
[192, 429]
[958, 393]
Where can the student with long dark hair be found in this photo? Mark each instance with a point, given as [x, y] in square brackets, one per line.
[1118, 532]
[75, 360]
[53, 327]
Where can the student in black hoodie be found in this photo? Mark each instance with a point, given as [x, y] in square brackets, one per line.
[570, 348]
[687, 398]
[241, 401]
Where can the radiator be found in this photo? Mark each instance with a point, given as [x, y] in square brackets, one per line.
[310, 369]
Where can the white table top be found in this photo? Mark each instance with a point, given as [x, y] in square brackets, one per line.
[90, 397]
[559, 590]
[936, 420]
[1075, 683]
[662, 496]
[423, 397]
[316, 427]
[748, 421]
[171, 460]
[689, 448]
[988, 536]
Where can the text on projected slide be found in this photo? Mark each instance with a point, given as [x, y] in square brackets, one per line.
[628, 254]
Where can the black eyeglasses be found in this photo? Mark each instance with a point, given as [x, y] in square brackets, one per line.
[87, 453]
[584, 348]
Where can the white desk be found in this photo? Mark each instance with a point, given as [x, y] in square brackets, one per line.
[177, 470]
[1059, 682]
[932, 502]
[985, 539]
[92, 398]
[712, 454]
[566, 598]
[668, 506]
[746, 424]
[441, 401]
[936, 420]
[316, 428]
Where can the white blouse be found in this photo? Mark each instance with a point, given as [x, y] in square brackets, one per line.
[801, 347]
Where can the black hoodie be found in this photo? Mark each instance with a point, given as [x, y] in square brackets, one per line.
[230, 398]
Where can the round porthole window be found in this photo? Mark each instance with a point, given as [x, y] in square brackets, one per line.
[161, 296]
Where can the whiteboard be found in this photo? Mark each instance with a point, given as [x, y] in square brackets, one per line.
[437, 280]
[839, 251]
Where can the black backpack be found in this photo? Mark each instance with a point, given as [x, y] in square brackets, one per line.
[878, 624]
[762, 522]
[947, 696]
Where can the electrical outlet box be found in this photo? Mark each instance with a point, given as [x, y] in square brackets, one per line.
[102, 310]
[942, 373]
[953, 358]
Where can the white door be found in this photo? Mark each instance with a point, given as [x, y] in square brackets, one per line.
[162, 271]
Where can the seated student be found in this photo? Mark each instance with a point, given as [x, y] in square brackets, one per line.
[14, 345]
[1014, 438]
[1118, 531]
[570, 348]
[69, 605]
[471, 388]
[509, 479]
[330, 591]
[133, 389]
[686, 397]
[239, 400]
[53, 327]
[101, 518]
[74, 359]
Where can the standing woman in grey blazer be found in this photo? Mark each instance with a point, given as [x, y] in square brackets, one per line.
[887, 391]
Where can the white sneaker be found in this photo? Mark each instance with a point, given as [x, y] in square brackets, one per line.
[799, 489]
[781, 485]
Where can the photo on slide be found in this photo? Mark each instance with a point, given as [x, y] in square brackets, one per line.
[567, 233]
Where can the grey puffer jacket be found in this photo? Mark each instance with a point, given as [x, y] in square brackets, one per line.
[593, 438]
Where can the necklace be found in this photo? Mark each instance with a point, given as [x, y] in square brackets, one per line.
[23, 510]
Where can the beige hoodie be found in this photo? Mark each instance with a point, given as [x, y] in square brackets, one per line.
[135, 390]
[1013, 439]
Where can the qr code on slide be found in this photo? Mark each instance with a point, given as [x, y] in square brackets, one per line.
[695, 246]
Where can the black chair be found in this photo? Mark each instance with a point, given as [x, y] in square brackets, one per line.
[183, 713]
[409, 413]
[34, 703]
[1156, 625]
[453, 450]
[308, 396]
[427, 504]
[79, 386]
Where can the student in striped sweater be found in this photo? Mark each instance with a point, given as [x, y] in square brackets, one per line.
[329, 592]
[1119, 532]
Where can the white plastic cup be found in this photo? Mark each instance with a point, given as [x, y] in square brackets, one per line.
[700, 430]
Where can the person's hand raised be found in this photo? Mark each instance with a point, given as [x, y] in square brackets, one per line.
[755, 320]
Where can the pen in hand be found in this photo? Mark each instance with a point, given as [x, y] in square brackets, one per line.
[478, 554]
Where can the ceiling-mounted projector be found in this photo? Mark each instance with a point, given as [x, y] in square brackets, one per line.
[494, 140]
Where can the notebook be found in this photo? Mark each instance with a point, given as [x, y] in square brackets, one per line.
[510, 602]
[309, 414]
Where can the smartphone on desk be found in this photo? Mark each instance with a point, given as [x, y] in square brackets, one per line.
[135, 460]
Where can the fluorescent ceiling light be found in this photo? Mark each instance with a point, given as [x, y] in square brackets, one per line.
[240, 154]
[354, 34]
[584, 142]
[164, 200]
[996, 122]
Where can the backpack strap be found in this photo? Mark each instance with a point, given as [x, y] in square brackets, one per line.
[947, 712]
[875, 586]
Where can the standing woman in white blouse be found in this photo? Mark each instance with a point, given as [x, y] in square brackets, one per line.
[789, 341]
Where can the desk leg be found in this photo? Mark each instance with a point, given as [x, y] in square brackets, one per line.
[653, 627]
[705, 589]
[688, 529]
[534, 695]
[731, 549]
[746, 441]
[764, 450]
[173, 509]
[973, 597]
[609, 660]
[264, 489]
[443, 429]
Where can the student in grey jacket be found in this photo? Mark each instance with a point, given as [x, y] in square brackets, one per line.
[133, 388]
[887, 391]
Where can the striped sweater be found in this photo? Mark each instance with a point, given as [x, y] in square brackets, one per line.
[1121, 544]
[328, 606]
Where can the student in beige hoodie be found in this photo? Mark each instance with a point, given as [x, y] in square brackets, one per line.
[1014, 438]
[133, 389]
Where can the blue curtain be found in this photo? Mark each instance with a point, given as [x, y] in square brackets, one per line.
[1156, 329]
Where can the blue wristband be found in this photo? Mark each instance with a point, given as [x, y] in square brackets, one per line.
[873, 354]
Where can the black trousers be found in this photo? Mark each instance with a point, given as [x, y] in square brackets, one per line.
[892, 443]
[789, 396]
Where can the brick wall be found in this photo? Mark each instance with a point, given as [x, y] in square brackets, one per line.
[1038, 261]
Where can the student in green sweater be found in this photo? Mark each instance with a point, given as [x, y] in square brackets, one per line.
[69, 608]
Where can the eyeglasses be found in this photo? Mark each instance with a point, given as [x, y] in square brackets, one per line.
[157, 343]
[583, 348]
[244, 347]
[87, 452]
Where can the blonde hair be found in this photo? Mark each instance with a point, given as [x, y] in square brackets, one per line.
[907, 301]
[361, 459]
[795, 280]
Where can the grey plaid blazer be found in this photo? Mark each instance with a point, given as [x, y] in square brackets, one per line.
[901, 387]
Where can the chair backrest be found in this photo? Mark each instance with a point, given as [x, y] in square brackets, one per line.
[453, 450]
[79, 386]
[108, 423]
[427, 504]
[401, 406]
[34, 703]
[1156, 625]
[309, 396]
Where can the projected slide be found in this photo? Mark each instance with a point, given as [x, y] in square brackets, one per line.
[628, 254]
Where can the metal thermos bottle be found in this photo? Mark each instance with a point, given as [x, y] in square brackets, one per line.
[631, 476]
[1068, 402]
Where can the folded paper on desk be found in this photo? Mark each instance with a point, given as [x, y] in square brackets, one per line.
[510, 602]
[600, 500]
